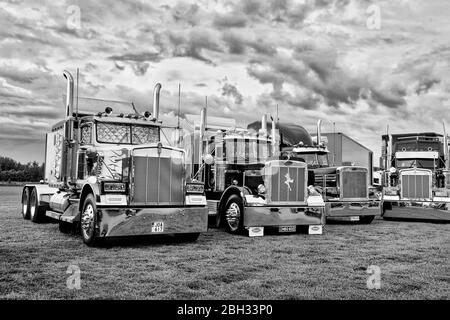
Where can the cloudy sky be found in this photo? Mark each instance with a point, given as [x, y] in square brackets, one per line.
[360, 64]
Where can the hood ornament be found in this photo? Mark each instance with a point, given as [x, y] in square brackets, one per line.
[288, 180]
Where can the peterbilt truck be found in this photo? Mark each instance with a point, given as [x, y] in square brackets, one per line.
[345, 189]
[416, 178]
[248, 187]
[109, 175]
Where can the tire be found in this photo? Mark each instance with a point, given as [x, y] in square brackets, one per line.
[65, 227]
[187, 237]
[366, 219]
[89, 221]
[26, 203]
[36, 213]
[234, 215]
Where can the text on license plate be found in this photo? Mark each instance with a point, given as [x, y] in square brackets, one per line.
[158, 226]
[288, 229]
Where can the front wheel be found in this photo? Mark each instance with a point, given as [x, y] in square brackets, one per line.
[89, 221]
[234, 215]
[366, 219]
[26, 203]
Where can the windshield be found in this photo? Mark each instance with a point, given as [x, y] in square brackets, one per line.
[313, 159]
[247, 150]
[126, 133]
[419, 163]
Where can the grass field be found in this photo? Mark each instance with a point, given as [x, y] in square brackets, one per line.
[413, 258]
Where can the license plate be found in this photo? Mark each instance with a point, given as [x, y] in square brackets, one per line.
[315, 230]
[288, 229]
[354, 218]
[157, 226]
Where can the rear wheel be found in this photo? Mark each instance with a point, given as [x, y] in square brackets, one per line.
[26, 203]
[36, 213]
[366, 219]
[187, 237]
[89, 221]
[234, 215]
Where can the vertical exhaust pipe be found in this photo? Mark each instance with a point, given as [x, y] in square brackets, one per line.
[274, 139]
[446, 155]
[264, 124]
[156, 101]
[203, 117]
[69, 158]
[69, 93]
[319, 137]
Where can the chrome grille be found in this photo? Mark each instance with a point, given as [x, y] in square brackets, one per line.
[354, 184]
[157, 176]
[416, 185]
[286, 181]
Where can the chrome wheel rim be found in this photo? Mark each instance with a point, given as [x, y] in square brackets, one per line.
[87, 221]
[24, 209]
[233, 216]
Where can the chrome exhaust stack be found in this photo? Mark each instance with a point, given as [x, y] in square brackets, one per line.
[69, 159]
[274, 139]
[69, 93]
[446, 153]
[264, 124]
[319, 132]
[156, 101]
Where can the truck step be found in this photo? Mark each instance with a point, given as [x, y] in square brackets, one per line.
[60, 216]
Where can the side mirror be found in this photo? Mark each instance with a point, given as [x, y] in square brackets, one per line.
[209, 159]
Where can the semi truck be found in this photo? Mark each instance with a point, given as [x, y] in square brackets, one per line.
[109, 175]
[345, 189]
[416, 176]
[248, 186]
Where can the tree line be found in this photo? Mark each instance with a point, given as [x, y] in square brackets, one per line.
[12, 170]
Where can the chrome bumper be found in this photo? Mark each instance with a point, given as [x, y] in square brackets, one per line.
[138, 221]
[347, 209]
[265, 216]
[424, 210]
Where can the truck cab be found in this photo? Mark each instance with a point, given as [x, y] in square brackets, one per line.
[345, 189]
[109, 175]
[416, 178]
[248, 186]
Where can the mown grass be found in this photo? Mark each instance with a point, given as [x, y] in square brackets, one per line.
[413, 258]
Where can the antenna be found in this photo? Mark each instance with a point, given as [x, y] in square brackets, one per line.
[179, 105]
[134, 108]
[77, 93]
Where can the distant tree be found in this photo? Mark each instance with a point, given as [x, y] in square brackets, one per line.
[12, 170]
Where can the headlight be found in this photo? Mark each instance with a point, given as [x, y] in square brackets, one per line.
[261, 189]
[195, 188]
[392, 170]
[114, 187]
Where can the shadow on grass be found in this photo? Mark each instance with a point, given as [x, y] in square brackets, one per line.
[142, 241]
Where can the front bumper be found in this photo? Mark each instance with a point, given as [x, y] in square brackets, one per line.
[411, 210]
[265, 216]
[347, 209]
[138, 221]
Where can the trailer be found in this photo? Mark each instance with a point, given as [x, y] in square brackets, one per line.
[416, 177]
[247, 185]
[345, 189]
[109, 175]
